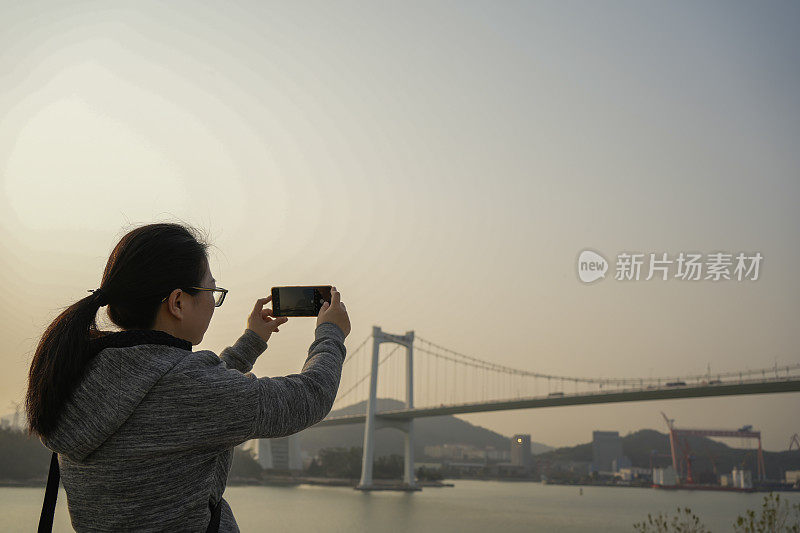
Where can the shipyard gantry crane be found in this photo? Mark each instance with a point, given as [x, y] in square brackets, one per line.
[681, 455]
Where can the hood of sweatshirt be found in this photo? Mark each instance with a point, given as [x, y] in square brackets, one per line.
[124, 367]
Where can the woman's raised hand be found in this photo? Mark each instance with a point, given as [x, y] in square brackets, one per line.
[261, 321]
[335, 312]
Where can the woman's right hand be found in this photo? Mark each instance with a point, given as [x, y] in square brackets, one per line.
[261, 321]
[335, 312]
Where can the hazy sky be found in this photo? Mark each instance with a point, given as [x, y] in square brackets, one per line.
[441, 163]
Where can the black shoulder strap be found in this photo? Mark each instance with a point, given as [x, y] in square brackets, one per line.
[213, 525]
[51, 493]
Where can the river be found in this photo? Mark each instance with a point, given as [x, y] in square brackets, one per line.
[470, 506]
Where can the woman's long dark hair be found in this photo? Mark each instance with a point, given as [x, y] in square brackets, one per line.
[147, 264]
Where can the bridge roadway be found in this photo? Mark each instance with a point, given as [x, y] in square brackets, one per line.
[762, 386]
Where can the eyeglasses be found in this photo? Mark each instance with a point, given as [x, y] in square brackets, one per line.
[219, 294]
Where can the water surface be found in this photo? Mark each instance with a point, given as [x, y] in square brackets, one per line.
[469, 507]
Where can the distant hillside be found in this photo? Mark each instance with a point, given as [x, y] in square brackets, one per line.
[707, 454]
[22, 457]
[427, 431]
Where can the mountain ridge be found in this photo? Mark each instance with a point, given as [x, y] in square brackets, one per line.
[435, 430]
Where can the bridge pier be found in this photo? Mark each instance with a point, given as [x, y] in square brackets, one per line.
[374, 421]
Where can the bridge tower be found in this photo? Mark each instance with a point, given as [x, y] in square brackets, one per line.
[375, 421]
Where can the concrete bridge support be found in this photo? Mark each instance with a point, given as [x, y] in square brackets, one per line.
[374, 421]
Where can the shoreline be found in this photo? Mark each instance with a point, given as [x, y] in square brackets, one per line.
[390, 484]
[328, 481]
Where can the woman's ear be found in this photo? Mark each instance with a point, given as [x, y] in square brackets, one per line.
[175, 303]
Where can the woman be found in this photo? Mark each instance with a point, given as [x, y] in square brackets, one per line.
[145, 428]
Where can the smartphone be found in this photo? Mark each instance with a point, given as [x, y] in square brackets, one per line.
[299, 300]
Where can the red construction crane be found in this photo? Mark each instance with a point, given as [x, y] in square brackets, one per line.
[687, 461]
[672, 443]
[677, 435]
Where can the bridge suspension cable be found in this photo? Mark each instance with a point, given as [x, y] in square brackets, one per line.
[488, 365]
[352, 354]
[365, 376]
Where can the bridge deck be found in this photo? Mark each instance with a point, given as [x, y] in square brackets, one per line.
[767, 386]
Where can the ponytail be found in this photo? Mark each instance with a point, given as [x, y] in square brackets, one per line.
[59, 361]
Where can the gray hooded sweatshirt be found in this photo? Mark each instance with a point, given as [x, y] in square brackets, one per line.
[145, 442]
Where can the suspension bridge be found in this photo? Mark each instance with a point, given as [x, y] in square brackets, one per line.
[447, 382]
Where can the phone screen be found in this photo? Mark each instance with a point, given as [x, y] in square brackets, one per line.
[299, 300]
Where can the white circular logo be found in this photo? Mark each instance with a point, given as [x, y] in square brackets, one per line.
[591, 266]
